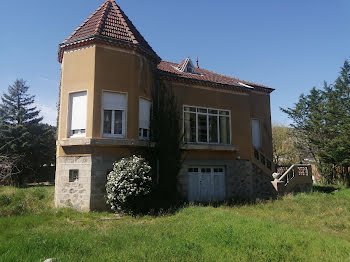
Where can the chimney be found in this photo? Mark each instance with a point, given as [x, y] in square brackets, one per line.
[197, 61]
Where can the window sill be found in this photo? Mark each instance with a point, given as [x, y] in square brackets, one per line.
[112, 136]
[214, 147]
[77, 136]
[101, 142]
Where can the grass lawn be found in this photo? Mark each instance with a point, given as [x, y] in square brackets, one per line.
[305, 227]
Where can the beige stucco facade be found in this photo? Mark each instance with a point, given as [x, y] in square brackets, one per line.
[99, 68]
[96, 69]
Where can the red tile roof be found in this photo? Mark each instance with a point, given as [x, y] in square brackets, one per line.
[110, 22]
[109, 25]
[208, 77]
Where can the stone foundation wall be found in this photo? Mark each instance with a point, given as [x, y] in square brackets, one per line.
[88, 192]
[244, 180]
[101, 166]
[73, 194]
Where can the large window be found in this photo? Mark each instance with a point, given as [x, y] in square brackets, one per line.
[256, 133]
[205, 125]
[144, 118]
[77, 114]
[114, 107]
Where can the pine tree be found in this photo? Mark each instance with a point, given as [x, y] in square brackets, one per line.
[21, 132]
[339, 102]
[322, 122]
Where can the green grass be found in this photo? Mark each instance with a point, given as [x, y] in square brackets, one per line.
[305, 227]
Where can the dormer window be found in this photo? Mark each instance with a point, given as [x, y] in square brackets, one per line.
[187, 66]
[189, 69]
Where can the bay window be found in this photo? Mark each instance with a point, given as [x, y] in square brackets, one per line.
[114, 107]
[78, 111]
[204, 125]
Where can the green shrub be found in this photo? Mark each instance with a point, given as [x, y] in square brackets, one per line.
[128, 185]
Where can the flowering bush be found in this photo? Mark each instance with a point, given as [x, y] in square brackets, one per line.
[128, 184]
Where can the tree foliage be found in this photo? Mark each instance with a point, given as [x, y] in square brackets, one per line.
[22, 135]
[284, 149]
[322, 122]
[8, 169]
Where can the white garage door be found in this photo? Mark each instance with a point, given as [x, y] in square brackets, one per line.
[206, 184]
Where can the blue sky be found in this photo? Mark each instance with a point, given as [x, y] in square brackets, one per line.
[288, 45]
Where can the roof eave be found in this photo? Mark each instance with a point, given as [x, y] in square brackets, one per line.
[83, 41]
[213, 84]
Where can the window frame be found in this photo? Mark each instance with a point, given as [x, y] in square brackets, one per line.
[124, 116]
[260, 132]
[73, 175]
[218, 115]
[69, 115]
[122, 135]
[141, 137]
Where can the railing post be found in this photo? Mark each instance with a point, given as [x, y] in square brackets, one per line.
[309, 170]
[296, 171]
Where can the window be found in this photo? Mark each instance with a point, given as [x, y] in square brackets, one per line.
[73, 175]
[190, 69]
[190, 126]
[114, 107]
[144, 118]
[256, 134]
[78, 112]
[204, 125]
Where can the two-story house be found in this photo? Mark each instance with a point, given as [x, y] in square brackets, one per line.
[108, 70]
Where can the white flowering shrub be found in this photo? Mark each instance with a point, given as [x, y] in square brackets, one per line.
[128, 184]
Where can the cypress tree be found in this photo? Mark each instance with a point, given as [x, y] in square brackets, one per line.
[165, 153]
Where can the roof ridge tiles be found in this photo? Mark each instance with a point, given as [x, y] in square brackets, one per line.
[122, 16]
[109, 22]
[103, 18]
[86, 20]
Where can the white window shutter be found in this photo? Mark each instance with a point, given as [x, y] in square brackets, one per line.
[144, 113]
[114, 101]
[78, 110]
[256, 134]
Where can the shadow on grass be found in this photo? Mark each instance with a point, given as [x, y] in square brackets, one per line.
[234, 202]
[328, 189]
[40, 184]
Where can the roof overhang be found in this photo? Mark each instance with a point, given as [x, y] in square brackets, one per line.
[240, 88]
[97, 39]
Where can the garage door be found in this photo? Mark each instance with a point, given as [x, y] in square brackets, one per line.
[206, 184]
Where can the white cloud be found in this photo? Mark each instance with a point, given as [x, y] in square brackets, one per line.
[49, 113]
